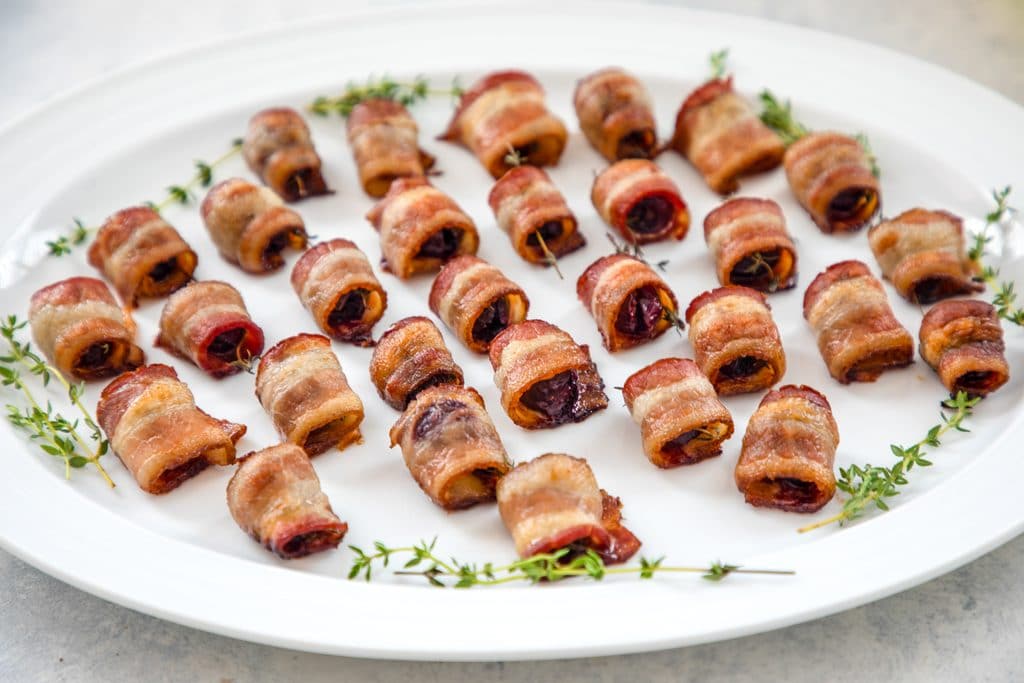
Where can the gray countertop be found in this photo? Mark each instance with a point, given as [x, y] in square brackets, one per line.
[967, 625]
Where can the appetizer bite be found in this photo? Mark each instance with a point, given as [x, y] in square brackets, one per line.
[409, 357]
[615, 114]
[279, 149]
[385, 145]
[963, 342]
[640, 201]
[750, 244]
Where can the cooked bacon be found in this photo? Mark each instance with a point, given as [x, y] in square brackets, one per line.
[335, 282]
[963, 342]
[275, 497]
[409, 357]
[629, 302]
[788, 451]
[505, 111]
[279, 149]
[155, 428]
[546, 379]
[251, 226]
[831, 177]
[78, 326]
[735, 341]
[858, 335]
[531, 210]
[639, 200]
[553, 502]
[384, 141]
[141, 255]
[750, 244]
[476, 301]
[421, 228]
[207, 323]
[302, 387]
[615, 114]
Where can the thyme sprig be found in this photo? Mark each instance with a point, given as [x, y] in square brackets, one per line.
[865, 144]
[404, 92]
[757, 264]
[719, 63]
[673, 319]
[779, 117]
[633, 249]
[1005, 295]
[65, 244]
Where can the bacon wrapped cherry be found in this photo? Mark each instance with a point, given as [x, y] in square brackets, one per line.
[640, 201]
[279, 149]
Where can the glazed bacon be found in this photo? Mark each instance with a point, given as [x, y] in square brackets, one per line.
[546, 379]
[78, 326]
[335, 282]
[451, 446]
[279, 149]
[142, 255]
[505, 112]
[384, 141]
[963, 342]
[735, 341]
[155, 428]
[681, 419]
[830, 175]
[750, 244]
[207, 323]
[421, 228]
[640, 201]
[553, 502]
[251, 226]
[302, 387]
[531, 210]
[409, 357]
[627, 299]
[858, 335]
[476, 301]
[922, 253]
[788, 451]
[275, 497]
[615, 115]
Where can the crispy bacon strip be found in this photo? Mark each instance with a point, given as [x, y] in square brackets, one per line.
[629, 302]
[505, 111]
[640, 201]
[275, 497]
[409, 357]
[384, 141]
[476, 301]
[302, 387]
[963, 342]
[858, 335]
[335, 282]
[546, 379]
[553, 502]
[788, 451]
[615, 115]
[421, 228]
[279, 149]
[78, 326]
[157, 431]
[735, 341]
[141, 255]
[750, 244]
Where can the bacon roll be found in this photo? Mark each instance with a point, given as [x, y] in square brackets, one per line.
[922, 253]
[451, 446]
[531, 210]
[409, 357]
[615, 115]
[735, 341]
[750, 244]
[629, 301]
[279, 149]
[858, 335]
[251, 226]
[302, 387]
[640, 201]
[546, 379]
[963, 342]
[384, 141]
[681, 419]
[476, 301]
[275, 497]
[335, 282]
[141, 255]
[78, 326]
[554, 502]
[505, 112]
[420, 228]
[788, 451]
[155, 428]
[831, 177]
[721, 134]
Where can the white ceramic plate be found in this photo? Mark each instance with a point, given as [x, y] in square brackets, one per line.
[941, 141]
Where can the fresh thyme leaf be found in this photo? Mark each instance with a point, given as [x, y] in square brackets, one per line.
[719, 60]
[1005, 296]
[779, 117]
[406, 93]
[633, 249]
